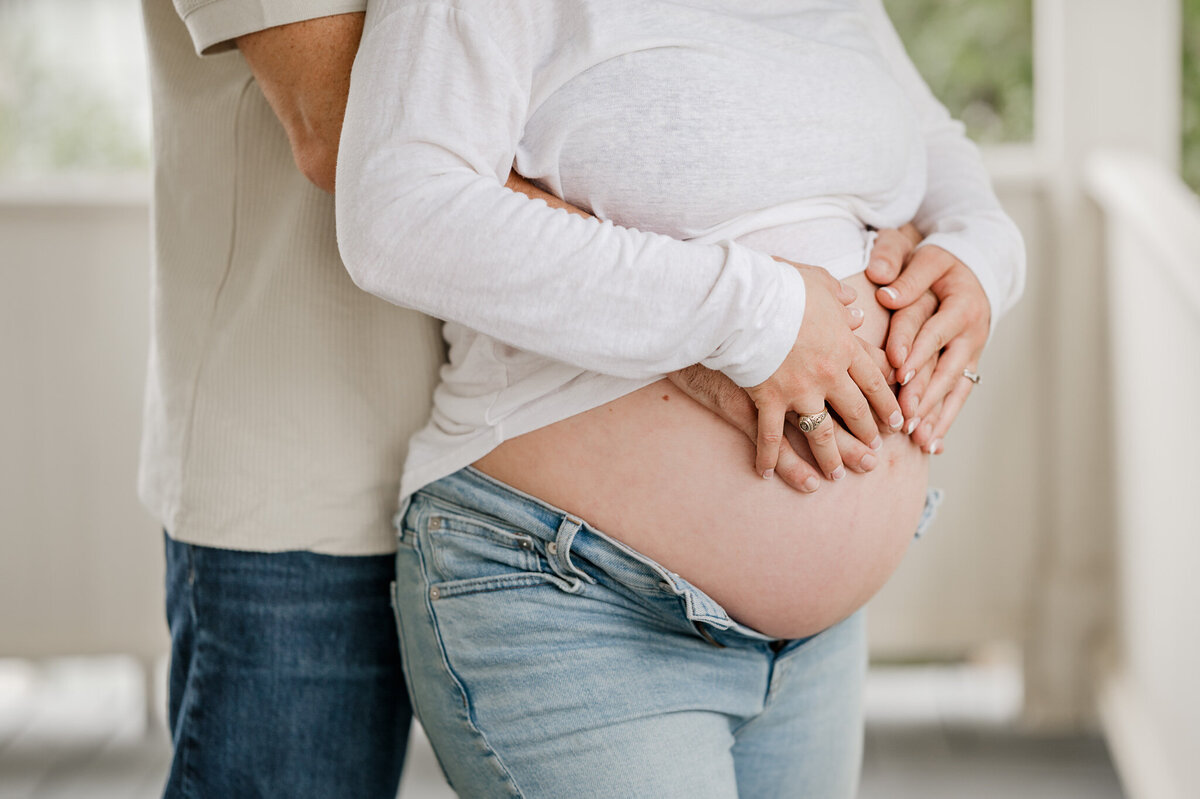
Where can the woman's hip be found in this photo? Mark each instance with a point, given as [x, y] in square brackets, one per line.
[667, 477]
[540, 652]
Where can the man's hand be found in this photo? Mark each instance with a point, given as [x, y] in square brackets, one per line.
[730, 401]
[725, 398]
[303, 70]
[939, 328]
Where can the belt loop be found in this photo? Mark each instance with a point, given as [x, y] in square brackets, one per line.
[702, 628]
[559, 549]
[398, 517]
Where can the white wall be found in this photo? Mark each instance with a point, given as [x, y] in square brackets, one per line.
[80, 561]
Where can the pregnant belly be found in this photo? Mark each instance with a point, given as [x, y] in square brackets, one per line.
[665, 476]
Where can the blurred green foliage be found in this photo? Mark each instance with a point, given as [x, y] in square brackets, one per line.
[1191, 93]
[53, 120]
[977, 56]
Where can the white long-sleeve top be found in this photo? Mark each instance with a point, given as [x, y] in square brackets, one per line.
[705, 135]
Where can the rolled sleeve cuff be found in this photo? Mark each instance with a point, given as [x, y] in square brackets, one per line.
[761, 346]
[980, 265]
[214, 24]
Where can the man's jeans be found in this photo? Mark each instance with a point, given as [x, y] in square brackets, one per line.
[285, 675]
[548, 660]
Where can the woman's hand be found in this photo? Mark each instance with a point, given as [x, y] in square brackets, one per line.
[828, 365]
[730, 401]
[939, 328]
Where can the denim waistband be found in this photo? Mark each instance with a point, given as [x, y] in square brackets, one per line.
[564, 534]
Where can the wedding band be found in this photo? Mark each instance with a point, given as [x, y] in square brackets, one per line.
[972, 376]
[811, 421]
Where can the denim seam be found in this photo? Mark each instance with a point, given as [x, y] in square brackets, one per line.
[188, 743]
[404, 661]
[531, 573]
[398, 524]
[453, 510]
[452, 507]
[458, 683]
[500, 582]
[527, 554]
[194, 685]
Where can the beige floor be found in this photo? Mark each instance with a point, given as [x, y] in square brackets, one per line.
[77, 728]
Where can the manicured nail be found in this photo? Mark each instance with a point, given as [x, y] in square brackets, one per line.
[903, 354]
[912, 425]
[838, 473]
[894, 422]
[810, 484]
[911, 374]
[856, 313]
[768, 474]
[867, 463]
[891, 292]
[876, 444]
[935, 447]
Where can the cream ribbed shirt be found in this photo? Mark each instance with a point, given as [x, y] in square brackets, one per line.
[705, 134]
[280, 397]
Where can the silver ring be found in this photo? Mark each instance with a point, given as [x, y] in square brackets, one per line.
[809, 422]
[972, 376]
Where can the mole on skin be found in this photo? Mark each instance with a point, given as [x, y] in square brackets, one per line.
[666, 398]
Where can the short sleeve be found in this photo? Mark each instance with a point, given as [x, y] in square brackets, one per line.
[214, 24]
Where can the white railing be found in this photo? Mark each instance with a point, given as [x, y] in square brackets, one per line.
[1150, 698]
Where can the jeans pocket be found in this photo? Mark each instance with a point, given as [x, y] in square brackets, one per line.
[466, 555]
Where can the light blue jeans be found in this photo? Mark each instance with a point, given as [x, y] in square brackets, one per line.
[545, 659]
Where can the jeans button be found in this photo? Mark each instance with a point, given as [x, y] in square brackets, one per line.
[552, 548]
[435, 523]
[434, 593]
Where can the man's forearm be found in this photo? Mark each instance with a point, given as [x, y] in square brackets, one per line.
[303, 70]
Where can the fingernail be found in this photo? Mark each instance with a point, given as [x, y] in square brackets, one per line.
[912, 425]
[894, 421]
[875, 263]
[867, 463]
[891, 292]
[810, 484]
[856, 313]
[935, 447]
[877, 443]
[838, 473]
[903, 354]
[768, 474]
[911, 374]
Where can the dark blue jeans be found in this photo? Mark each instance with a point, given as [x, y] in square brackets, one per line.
[285, 675]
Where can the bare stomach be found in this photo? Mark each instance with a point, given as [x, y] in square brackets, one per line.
[667, 477]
